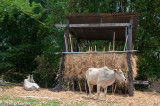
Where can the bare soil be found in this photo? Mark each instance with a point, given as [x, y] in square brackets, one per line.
[139, 99]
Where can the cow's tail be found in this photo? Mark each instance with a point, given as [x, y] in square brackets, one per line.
[87, 87]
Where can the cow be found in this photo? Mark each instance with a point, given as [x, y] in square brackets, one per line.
[29, 84]
[102, 77]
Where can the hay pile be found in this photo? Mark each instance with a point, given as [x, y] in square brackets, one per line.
[76, 65]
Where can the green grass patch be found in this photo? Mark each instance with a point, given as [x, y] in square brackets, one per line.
[5, 101]
[11, 86]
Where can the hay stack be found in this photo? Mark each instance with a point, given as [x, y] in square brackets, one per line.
[76, 65]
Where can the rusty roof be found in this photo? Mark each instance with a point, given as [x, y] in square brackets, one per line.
[102, 33]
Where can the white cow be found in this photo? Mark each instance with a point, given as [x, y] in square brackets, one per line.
[102, 77]
[29, 84]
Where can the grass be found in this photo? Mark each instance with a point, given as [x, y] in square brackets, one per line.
[21, 101]
[5, 101]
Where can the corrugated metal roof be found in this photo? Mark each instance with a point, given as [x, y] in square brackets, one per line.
[102, 33]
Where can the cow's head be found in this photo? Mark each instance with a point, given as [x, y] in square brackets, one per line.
[119, 75]
[30, 78]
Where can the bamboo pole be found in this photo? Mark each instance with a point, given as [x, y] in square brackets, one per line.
[115, 88]
[125, 43]
[104, 57]
[109, 46]
[113, 58]
[68, 84]
[132, 46]
[112, 87]
[114, 46]
[71, 42]
[73, 85]
[91, 57]
[114, 41]
[95, 48]
[85, 86]
[66, 43]
[89, 48]
[79, 83]
[128, 51]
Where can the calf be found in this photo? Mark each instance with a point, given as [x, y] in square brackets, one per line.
[29, 84]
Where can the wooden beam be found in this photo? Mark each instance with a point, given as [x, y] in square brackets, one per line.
[94, 25]
[97, 52]
[62, 60]
[139, 82]
[129, 58]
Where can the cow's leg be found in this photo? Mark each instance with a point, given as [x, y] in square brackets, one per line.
[98, 91]
[105, 92]
[90, 90]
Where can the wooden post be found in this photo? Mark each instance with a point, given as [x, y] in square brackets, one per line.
[68, 84]
[112, 87]
[109, 46]
[129, 58]
[77, 48]
[125, 44]
[70, 39]
[85, 86]
[62, 61]
[114, 41]
[73, 85]
[79, 83]
[115, 88]
[104, 57]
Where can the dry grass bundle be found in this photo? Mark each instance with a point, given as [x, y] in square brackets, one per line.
[76, 65]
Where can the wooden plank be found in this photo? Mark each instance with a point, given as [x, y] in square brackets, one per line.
[97, 52]
[139, 82]
[129, 59]
[94, 25]
[62, 61]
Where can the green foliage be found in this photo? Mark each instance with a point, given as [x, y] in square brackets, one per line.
[19, 41]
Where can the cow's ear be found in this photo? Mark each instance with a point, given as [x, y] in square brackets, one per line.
[115, 70]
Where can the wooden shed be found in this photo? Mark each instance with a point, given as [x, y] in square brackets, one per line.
[101, 27]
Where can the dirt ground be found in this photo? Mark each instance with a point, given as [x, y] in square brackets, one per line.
[139, 99]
